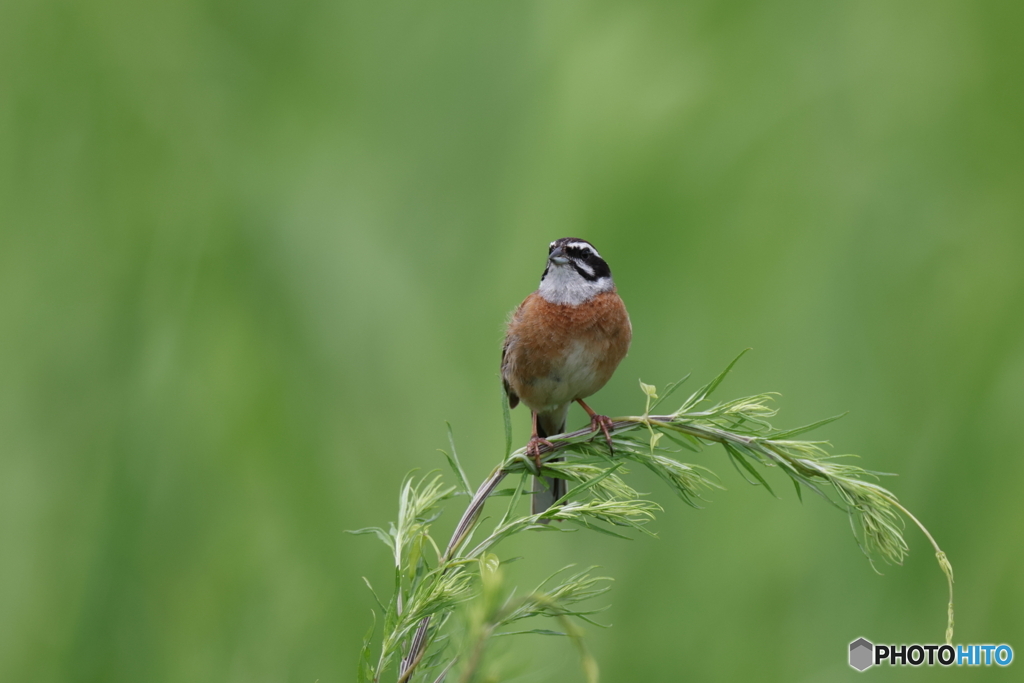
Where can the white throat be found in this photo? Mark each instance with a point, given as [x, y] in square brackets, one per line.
[563, 285]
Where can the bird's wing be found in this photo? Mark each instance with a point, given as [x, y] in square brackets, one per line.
[513, 398]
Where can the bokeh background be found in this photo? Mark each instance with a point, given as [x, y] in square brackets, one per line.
[254, 255]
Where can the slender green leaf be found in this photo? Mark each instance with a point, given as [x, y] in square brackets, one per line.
[384, 536]
[690, 443]
[669, 390]
[366, 673]
[538, 631]
[453, 462]
[710, 387]
[742, 460]
[600, 529]
[516, 494]
[779, 436]
[380, 604]
[583, 486]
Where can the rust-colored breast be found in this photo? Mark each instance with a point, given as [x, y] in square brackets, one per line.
[557, 353]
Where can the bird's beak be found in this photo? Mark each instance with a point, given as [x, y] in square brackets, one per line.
[558, 257]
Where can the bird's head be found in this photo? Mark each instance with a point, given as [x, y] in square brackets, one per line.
[575, 272]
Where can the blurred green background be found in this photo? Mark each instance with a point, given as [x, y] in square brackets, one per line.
[254, 255]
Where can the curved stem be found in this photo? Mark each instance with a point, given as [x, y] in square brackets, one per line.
[947, 568]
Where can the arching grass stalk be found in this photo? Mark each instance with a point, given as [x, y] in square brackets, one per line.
[429, 584]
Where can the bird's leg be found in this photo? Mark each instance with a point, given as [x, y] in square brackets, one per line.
[533, 448]
[602, 422]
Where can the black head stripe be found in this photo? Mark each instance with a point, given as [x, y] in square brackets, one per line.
[578, 252]
[591, 266]
[584, 273]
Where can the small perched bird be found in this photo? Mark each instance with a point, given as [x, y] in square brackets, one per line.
[563, 343]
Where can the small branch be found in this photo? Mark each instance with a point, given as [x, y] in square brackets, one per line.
[473, 511]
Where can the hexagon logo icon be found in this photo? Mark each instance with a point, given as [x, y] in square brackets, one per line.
[861, 654]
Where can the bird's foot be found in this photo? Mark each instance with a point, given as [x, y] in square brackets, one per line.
[533, 448]
[605, 424]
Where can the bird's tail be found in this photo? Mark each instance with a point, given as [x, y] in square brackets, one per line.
[546, 490]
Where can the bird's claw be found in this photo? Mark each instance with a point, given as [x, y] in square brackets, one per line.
[533, 448]
[604, 423]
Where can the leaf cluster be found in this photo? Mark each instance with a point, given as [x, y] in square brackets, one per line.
[431, 585]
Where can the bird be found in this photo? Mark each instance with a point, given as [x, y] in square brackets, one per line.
[562, 344]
